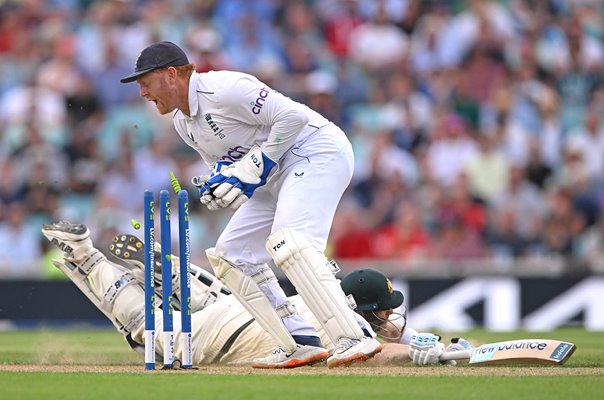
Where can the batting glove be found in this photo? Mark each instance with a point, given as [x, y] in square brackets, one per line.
[206, 197]
[236, 183]
[426, 349]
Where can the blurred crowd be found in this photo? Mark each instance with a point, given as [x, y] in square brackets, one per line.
[477, 125]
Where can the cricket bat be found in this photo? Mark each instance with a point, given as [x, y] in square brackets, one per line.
[522, 351]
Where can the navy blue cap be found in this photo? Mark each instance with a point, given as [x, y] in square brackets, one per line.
[156, 56]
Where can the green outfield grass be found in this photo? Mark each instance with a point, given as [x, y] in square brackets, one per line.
[581, 378]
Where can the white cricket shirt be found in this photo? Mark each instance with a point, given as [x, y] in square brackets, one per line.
[232, 111]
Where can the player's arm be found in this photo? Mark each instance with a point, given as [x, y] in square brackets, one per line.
[391, 354]
[251, 102]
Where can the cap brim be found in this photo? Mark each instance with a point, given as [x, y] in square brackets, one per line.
[134, 76]
[396, 299]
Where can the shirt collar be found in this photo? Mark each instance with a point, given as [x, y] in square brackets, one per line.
[193, 99]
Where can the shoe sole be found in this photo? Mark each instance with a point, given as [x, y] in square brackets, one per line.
[295, 362]
[358, 357]
[74, 234]
[128, 248]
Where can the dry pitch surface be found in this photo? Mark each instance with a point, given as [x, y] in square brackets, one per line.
[462, 370]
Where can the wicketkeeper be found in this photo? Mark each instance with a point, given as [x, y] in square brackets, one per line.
[283, 167]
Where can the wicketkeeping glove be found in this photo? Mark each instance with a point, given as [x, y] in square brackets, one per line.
[205, 191]
[234, 184]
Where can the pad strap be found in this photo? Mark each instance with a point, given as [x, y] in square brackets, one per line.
[115, 289]
[286, 310]
[92, 260]
[134, 322]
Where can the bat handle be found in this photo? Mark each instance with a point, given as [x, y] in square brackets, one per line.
[456, 355]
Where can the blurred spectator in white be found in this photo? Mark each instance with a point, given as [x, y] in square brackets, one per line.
[153, 164]
[450, 149]
[390, 161]
[252, 45]
[576, 80]
[425, 54]
[482, 20]
[321, 87]
[488, 170]
[573, 170]
[26, 105]
[19, 238]
[60, 72]
[566, 42]
[511, 138]
[551, 132]
[97, 27]
[377, 43]
[592, 247]
[116, 187]
[589, 140]
[393, 10]
[524, 199]
[412, 108]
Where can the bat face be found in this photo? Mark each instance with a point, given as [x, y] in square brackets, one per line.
[524, 351]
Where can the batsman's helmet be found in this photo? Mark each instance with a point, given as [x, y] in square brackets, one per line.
[371, 290]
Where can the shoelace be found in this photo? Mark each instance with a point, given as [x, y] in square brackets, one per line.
[345, 343]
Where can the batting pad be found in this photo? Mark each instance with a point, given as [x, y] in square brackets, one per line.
[246, 290]
[113, 291]
[308, 270]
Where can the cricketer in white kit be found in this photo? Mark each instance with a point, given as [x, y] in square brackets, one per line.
[283, 167]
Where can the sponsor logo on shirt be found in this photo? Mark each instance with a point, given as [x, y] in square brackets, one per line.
[257, 105]
[214, 126]
[235, 153]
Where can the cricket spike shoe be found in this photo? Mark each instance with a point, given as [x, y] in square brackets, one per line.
[349, 351]
[281, 358]
[131, 249]
[72, 239]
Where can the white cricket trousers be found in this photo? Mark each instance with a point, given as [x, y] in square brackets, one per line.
[302, 195]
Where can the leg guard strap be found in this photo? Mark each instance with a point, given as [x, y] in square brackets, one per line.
[90, 261]
[115, 289]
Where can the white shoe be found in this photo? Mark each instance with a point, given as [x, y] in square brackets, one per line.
[72, 239]
[349, 350]
[303, 355]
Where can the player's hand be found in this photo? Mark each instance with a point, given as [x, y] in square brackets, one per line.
[206, 197]
[426, 349]
[236, 183]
